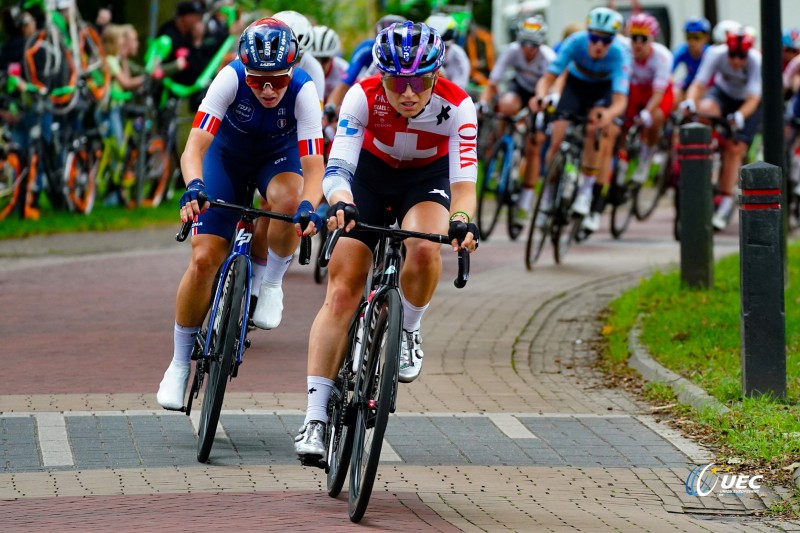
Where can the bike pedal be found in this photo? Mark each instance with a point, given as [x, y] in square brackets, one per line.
[313, 460]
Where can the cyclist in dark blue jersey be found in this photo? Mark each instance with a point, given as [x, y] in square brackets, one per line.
[261, 121]
[689, 54]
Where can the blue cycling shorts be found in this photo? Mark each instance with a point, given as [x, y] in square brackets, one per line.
[226, 173]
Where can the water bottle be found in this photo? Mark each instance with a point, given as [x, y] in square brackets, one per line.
[571, 175]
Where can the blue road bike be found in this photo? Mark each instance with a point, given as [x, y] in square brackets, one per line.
[220, 344]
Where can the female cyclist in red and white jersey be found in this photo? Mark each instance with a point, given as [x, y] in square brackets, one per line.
[650, 97]
[406, 139]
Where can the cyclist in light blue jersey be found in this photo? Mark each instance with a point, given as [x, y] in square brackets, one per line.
[597, 85]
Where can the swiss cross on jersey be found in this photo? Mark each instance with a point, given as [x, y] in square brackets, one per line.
[414, 142]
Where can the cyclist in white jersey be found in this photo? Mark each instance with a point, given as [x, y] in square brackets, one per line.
[650, 97]
[735, 68]
[457, 66]
[326, 47]
[529, 58]
[406, 139]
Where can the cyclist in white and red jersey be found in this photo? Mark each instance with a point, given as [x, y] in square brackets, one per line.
[735, 68]
[406, 139]
[528, 57]
[260, 120]
[650, 97]
[326, 48]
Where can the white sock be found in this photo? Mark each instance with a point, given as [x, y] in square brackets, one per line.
[276, 268]
[319, 392]
[646, 152]
[183, 342]
[259, 266]
[412, 315]
[588, 183]
[526, 198]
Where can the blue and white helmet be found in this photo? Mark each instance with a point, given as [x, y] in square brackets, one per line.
[268, 45]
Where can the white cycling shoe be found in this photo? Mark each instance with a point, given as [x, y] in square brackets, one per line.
[269, 309]
[172, 389]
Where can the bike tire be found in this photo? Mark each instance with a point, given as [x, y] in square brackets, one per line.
[492, 193]
[648, 194]
[563, 217]
[80, 175]
[512, 209]
[13, 184]
[622, 194]
[538, 236]
[157, 172]
[340, 419]
[377, 381]
[225, 327]
[563, 241]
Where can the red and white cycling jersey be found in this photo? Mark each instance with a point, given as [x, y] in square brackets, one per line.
[447, 126]
[656, 70]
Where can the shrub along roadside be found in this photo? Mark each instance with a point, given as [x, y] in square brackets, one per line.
[697, 334]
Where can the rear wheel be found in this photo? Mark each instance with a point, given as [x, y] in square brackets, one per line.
[12, 184]
[512, 208]
[340, 420]
[649, 193]
[622, 196]
[225, 331]
[376, 387]
[80, 174]
[491, 196]
[540, 226]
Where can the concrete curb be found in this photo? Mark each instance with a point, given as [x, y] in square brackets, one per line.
[686, 391]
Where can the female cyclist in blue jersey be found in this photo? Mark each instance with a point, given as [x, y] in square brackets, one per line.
[406, 139]
[261, 121]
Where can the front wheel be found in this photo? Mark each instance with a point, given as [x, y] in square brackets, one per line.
[80, 174]
[493, 190]
[621, 196]
[13, 184]
[375, 390]
[225, 332]
[649, 193]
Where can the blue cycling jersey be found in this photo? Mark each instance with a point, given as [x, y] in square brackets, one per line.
[360, 61]
[682, 55]
[574, 56]
[251, 128]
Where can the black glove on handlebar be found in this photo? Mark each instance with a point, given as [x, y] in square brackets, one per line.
[458, 230]
[350, 211]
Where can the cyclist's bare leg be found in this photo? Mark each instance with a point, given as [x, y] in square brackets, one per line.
[283, 196]
[423, 263]
[533, 151]
[347, 272]
[557, 132]
[194, 290]
[509, 104]
[732, 156]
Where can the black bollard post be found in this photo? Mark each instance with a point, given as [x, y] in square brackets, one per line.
[763, 325]
[696, 206]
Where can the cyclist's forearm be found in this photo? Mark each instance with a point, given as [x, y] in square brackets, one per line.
[619, 103]
[695, 92]
[192, 157]
[750, 105]
[313, 169]
[489, 92]
[337, 95]
[544, 84]
[655, 101]
[464, 198]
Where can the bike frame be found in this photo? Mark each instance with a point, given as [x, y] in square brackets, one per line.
[240, 247]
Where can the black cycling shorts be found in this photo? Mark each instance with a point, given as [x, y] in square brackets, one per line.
[730, 105]
[580, 96]
[377, 186]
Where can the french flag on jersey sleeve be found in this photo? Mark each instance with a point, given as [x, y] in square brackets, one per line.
[310, 147]
[206, 122]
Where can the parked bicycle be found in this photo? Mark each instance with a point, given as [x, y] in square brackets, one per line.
[221, 342]
[553, 219]
[365, 390]
[501, 185]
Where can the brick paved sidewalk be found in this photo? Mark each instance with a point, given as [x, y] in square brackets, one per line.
[508, 428]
